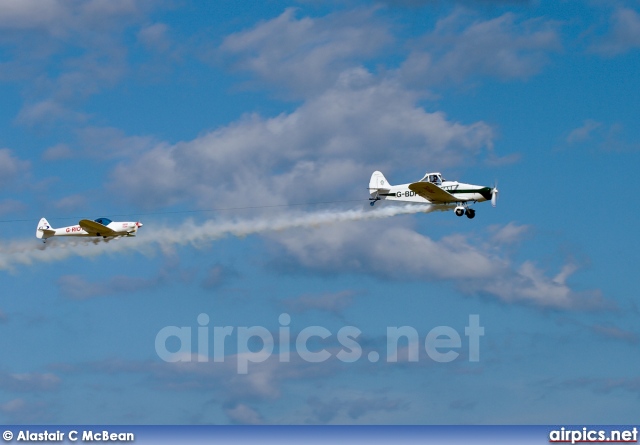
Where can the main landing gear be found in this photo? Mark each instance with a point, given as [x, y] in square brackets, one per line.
[465, 211]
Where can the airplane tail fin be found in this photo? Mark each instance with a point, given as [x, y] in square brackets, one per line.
[378, 182]
[44, 229]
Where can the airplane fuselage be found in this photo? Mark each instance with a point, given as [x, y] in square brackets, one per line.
[122, 228]
[466, 193]
[101, 227]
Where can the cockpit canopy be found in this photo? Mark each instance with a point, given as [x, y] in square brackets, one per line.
[434, 178]
[103, 221]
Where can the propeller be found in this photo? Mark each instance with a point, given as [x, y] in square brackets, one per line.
[139, 224]
[494, 194]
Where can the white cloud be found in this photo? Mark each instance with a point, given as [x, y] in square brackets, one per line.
[584, 132]
[243, 414]
[56, 152]
[11, 167]
[58, 18]
[328, 147]
[508, 234]
[624, 33]
[473, 269]
[529, 284]
[47, 111]
[155, 36]
[306, 55]
[343, 248]
[463, 46]
[63, 51]
[110, 143]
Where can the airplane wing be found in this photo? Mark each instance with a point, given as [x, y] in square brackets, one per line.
[94, 228]
[432, 192]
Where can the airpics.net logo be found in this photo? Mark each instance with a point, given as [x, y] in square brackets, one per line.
[256, 344]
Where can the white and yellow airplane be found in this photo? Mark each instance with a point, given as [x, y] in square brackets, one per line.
[432, 189]
[103, 227]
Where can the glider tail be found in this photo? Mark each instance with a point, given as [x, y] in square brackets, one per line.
[44, 229]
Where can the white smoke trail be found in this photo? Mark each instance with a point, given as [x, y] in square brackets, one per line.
[26, 252]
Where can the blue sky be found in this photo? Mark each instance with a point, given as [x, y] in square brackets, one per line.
[165, 111]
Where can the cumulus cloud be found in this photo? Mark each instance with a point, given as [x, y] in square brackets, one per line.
[57, 152]
[110, 143]
[463, 46]
[474, 269]
[58, 17]
[155, 36]
[345, 249]
[37, 37]
[508, 234]
[529, 284]
[623, 35]
[306, 55]
[327, 147]
[11, 166]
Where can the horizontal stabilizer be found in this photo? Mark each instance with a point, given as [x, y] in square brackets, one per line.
[45, 233]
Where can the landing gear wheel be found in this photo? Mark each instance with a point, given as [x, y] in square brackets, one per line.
[372, 203]
[460, 211]
[470, 213]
